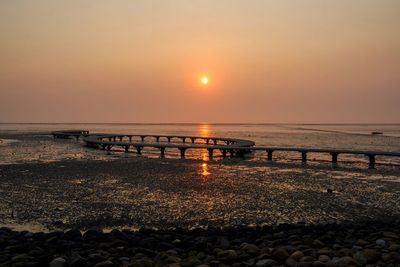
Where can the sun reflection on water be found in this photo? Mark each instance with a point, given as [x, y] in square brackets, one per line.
[205, 171]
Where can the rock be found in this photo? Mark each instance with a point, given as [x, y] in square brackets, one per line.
[280, 254]
[390, 235]
[250, 249]
[141, 263]
[58, 262]
[345, 261]
[191, 261]
[307, 259]
[75, 260]
[360, 258]
[22, 258]
[96, 257]
[395, 256]
[380, 243]
[394, 247]
[324, 258]
[297, 255]
[266, 263]
[227, 256]
[371, 255]
[361, 242]
[105, 264]
[329, 190]
[291, 262]
[318, 243]
[319, 264]
[224, 243]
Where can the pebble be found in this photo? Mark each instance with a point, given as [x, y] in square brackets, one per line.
[288, 245]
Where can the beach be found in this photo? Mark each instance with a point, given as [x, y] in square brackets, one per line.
[256, 207]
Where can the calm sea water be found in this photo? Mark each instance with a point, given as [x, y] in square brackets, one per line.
[34, 146]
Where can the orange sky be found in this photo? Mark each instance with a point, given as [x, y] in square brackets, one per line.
[141, 61]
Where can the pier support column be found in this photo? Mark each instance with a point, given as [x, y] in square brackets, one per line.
[193, 139]
[109, 147]
[303, 156]
[120, 138]
[126, 149]
[184, 139]
[371, 161]
[157, 139]
[269, 152]
[215, 141]
[115, 138]
[207, 141]
[130, 138]
[334, 158]
[182, 150]
[77, 137]
[142, 137]
[139, 149]
[169, 139]
[224, 153]
[210, 153]
[103, 147]
[162, 152]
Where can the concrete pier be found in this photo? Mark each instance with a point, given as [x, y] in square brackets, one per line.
[235, 147]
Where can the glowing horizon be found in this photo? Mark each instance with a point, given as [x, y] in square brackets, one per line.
[140, 61]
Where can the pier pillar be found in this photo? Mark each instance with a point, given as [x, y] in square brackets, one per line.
[215, 141]
[334, 158]
[103, 147]
[224, 153]
[208, 141]
[183, 139]
[130, 138]
[371, 161]
[269, 152]
[157, 139]
[142, 137]
[120, 138]
[126, 149]
[182, 150]
[162, 152]
[193, 139]
[110, 139]
[210, 153]
[139, 149]
[304, 156]
[109, 147]
[169, 139]
[77, 137]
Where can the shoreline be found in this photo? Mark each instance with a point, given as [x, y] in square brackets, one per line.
[374, 243]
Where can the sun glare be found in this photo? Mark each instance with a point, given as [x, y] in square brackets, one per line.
[204, 80]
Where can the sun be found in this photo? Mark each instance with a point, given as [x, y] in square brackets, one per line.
[204, 80]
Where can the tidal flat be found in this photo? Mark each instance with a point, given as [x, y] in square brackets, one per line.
[140, 192]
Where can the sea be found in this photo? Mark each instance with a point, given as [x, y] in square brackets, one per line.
[22, 143]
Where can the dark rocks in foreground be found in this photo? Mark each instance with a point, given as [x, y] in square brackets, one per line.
[370, 244]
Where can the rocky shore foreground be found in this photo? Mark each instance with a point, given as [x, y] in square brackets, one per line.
[369, 244]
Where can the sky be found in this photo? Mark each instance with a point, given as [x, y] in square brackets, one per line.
[310, 61]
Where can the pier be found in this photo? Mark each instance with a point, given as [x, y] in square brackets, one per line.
[227, 146]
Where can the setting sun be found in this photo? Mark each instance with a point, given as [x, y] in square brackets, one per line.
[204, 80]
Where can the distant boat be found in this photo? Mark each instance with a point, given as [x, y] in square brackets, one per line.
[376, 133]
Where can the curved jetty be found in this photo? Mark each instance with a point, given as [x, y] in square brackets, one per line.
[233, 146]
